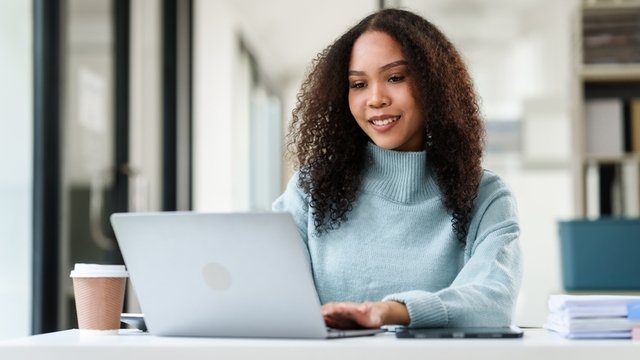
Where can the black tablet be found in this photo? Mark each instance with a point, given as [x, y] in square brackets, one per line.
[460, 333]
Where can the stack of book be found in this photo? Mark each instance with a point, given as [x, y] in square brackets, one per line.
[611, 36]
[592, 316]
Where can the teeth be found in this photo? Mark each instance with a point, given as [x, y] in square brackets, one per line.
[386, 121]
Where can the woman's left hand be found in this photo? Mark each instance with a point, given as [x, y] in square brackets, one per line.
[348, 315]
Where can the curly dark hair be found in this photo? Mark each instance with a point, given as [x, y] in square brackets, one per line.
[330, 147]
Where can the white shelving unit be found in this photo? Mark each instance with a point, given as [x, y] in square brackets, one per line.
[619, 75]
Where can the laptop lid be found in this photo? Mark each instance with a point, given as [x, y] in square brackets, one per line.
[229, 275]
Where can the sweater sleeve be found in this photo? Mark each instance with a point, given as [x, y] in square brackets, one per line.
[294, 201]
[485, 290]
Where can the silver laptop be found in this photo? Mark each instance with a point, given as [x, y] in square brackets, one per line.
[222, 275]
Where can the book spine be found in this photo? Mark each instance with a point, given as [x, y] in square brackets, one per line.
[631, 188]
[634, 113]
[605, 127]
[592, 192]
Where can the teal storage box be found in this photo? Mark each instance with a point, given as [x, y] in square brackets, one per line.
[602, 254]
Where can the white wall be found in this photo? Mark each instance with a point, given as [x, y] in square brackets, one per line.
[235, 165]
[290, 90]
[240, 129]
[16, 177]
[214, 58]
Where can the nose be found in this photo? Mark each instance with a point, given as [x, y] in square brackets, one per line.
[378, 97]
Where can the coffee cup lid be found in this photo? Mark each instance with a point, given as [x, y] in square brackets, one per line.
[96, 270]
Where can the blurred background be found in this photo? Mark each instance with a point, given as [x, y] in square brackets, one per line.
[144, 105]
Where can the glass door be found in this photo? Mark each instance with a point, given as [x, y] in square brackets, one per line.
[93, 172]
[106, 125]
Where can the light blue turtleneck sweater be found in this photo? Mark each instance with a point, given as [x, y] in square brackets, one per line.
[398, 244]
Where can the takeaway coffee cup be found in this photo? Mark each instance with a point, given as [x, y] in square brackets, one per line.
[99, 292]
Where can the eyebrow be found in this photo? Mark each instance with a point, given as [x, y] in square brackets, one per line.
[382, 68]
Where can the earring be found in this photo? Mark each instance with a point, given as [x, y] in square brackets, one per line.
[429, 139]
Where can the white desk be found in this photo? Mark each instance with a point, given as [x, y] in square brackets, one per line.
[536, 344]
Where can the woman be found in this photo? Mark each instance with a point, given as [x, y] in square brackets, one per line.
[402, 224]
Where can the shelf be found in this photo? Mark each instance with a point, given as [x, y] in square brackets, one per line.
[604, 5]
[608, 159]
[606, 184]
[610, 72]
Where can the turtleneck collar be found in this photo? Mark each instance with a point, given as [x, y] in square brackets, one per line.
[400, 176]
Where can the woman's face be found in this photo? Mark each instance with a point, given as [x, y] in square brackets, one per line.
[381, 93]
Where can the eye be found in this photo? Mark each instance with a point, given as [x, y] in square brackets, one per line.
[358, 85]
[396, 78]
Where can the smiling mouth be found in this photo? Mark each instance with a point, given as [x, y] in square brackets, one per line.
[385, 121]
